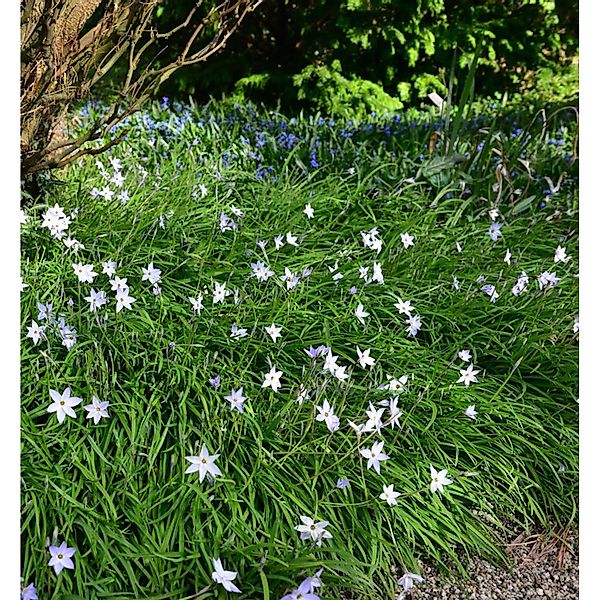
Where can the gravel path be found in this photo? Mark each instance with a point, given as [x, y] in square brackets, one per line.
[543, 568]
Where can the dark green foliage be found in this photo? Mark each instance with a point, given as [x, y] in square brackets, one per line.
[357, 56]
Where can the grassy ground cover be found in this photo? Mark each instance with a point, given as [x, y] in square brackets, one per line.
[473, 244]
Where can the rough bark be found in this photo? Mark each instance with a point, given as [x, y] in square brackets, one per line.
[68, 46]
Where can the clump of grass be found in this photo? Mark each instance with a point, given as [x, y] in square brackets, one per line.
[118, 492]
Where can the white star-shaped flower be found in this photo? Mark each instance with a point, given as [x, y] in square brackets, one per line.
[361, 313]
[465, 355]
[374, 455]
[407, 240]
[236, 399]
[471, 412]
[389, 495]
[326, 414]
[151, 274]
[85, 273]
[204, 464]
[272, 379]
[63, 404]
[124, 300]
[309, 529]
[225, 578]
[273, 331]
[97, 410]
[439, 479]
[561, 255]
[467, 375]
[364, 358]
[404, 307]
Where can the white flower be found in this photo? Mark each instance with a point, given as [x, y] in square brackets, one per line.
[151, 274]
[471, 412]
[521, 284]
[236, 399]
[389, 495]
[361, 313]
[490, 290]
[309, 529]
[494, 231]
[407, 581]
[309, 211]
[225, 578]
[465, 355]
[414, 324]
[220, 293]
[124, 300]
[107, 193]
[364, 358]
[395, 413]
[56, 221]
[197, 305]
[238, 332]
[377, 273]
[340, 373]
[404, 307]
[261, 271]
[326, 414]
[371, 240]
[396, 385]
[439, 479]
[374, 455]
[547, 280]
[291, 279]
[61, 558]
[291, 239]
[119, 284]
[35, 332]
[561, 255]
[374, 421]
[63, 404]
[226, 223]
[507, 257]
[85, 273]
[236, 211]
[273, 331]
[575, 324]
[407, 240]
[278, 242]
[363, 273]
[303, 394]
[97, 299]
[272, 379]
[108, 267]
[204, 464]
[467, 375]
[73, 244]
[331, 363]
[97, 410]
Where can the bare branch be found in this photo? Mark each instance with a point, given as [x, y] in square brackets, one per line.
[63, 61]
